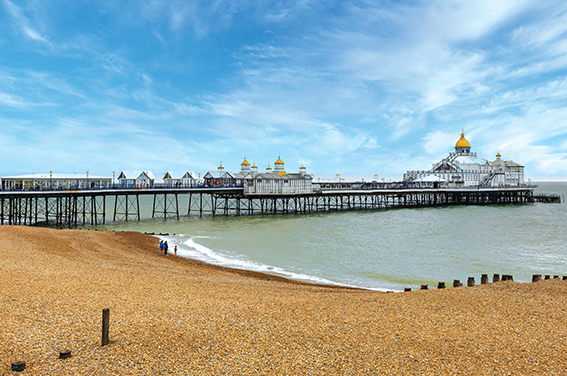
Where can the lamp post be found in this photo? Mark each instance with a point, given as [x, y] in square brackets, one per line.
[112, 179]
[50, 179]
[88, 180]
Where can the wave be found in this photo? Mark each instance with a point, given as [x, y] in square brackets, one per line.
[187, 247]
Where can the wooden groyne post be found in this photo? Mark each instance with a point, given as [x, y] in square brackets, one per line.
[105, 326]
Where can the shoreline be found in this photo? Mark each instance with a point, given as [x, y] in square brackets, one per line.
[172, 315]
[289, 276]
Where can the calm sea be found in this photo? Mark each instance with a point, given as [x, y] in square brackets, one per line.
[384, 249]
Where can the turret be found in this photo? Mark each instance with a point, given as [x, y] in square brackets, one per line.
[462, 146]
[279, 167]
[245, 166]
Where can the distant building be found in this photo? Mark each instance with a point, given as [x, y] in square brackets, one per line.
[464, 168]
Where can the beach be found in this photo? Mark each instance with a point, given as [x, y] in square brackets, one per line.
[175, 316]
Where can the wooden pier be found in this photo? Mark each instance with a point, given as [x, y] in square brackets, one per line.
[548, 199]
[96, 207]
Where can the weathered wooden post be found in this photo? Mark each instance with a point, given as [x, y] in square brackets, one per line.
[470, 282]
[565, 277]
[105, 326]
[507, 277]
[64, 354]
[18, 366]
[424, 287]
[407, 289]
[441, 285]
[536, 277]
[547, 276]
[456, 283]
[555, 277]
[484, 279]
[496, 278]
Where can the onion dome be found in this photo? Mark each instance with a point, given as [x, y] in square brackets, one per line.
[245, 162]
[463, 143]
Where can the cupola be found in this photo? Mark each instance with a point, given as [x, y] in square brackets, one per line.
[462, 146]
[245, 166]
[279, 167]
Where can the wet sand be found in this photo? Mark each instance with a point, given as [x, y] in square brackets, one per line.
[173, 316]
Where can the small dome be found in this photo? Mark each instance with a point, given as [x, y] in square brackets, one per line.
[245, 162]
[463, 143]
[498, 155]
[279, 161]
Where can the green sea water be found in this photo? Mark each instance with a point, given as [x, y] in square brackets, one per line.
[382, 249]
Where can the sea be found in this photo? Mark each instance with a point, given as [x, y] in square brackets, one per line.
[384, 250]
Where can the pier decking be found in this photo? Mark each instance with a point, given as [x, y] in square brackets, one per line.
[95, 207]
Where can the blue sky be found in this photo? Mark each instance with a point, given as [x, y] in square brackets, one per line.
[354, 87]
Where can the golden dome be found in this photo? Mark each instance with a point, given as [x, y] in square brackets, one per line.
[463, 143]
[498, 155]
[245, 162]
[279, 161]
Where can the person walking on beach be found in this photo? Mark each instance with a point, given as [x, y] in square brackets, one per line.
[175, 250]
[161, 246]
[165, 248]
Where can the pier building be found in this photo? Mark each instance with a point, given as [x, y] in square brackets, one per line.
[187, 180]
[463, 168]
[50, 180]
[142, 179]
[276, 181]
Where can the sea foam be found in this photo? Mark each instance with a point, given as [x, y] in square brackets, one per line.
[187, 247]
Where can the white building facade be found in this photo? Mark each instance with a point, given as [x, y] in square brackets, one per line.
[464, 168]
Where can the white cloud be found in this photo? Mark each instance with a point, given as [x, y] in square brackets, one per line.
[24, 24]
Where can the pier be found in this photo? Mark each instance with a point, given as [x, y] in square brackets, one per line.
[96, 207]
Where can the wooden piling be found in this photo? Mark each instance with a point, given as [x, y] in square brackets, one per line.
[18, 366]
[547, 276]
[424, 287]
[456, 283]
[507, 277]
[470, 282]
[555, 277]
[536, 277]
[565, 277]
[484, 279]
[441, 285]
[407, 289]
[105, 326]
[64, 354]
[496, 278]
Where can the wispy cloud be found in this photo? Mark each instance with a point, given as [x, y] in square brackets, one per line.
[24, 24]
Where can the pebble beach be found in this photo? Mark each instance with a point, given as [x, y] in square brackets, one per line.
[175, 316]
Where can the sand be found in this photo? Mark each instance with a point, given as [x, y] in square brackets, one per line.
[173, 316]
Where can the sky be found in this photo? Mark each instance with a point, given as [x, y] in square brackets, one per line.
[351, 87]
